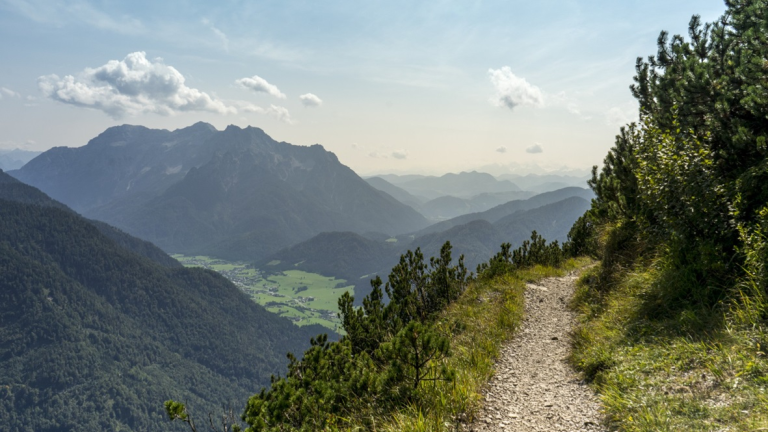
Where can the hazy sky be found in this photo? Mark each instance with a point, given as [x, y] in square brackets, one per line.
[389, 86]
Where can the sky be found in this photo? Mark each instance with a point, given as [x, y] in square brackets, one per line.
[396, 86]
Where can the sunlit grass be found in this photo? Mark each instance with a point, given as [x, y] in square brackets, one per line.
[666, 366]
[308, 298]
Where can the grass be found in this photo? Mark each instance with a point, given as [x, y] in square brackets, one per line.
[305, 298]
[485, 317]
[663, 364]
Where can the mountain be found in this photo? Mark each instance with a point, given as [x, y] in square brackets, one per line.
[397, 193]
[341, 254]
[494, 214]
[447, 207]
[479, 239]
[350, 256]
[122, 162]
[16, 158]
[541, 183]
[14, 190]
[397, 179]
[96, 337]
[552, 221]
[237, 193]
[462, 185]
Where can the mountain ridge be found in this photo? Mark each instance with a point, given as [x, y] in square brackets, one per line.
[236, 192]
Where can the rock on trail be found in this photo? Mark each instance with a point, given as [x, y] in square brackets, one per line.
[534, 388]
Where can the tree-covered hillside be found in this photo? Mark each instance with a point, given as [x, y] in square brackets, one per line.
[95, 337]
[14, 190]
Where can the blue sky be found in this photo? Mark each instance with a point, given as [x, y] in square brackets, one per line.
[389, 86]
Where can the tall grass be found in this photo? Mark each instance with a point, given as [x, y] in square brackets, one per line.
[664, 358]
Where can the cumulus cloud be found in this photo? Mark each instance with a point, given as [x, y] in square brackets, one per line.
[536, 148]
[134, 85]
[513, 91]
[260, 85]
[377, 155]
[501, 149]
[280, 113]
[400, 154]
[8, 92]
[310, 100]
[277, 112]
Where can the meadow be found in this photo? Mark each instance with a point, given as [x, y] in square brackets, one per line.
[305, 298]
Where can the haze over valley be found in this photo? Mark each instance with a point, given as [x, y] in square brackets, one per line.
[383, 216]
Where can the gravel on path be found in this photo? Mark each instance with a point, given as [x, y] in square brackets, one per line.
[534, 388]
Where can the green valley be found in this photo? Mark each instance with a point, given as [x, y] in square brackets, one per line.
[304, 298]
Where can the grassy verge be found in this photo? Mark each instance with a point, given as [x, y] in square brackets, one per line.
[486, 316]
[661, 364]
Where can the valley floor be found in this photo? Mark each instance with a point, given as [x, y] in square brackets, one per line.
[304, 298]
[534, 387]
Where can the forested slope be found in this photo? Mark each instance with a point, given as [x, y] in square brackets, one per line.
[96, 337]
[14, 190]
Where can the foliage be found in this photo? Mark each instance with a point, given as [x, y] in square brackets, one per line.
[388, 353]
[94, 336]
[582, 238]
[532, 252]
[674, 319]
[690, 177]
[396, 355]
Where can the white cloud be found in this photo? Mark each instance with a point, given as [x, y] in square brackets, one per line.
[400, 154]
[536, 148]
[310, 100]
[501, 149]
[9, 92]
[377, 155]
[259, 84]
[280, 113]
[512, 91]
[277, 112]
[134, 85]
[617, 116]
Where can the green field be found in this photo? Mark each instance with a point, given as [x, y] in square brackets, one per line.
[305, 298]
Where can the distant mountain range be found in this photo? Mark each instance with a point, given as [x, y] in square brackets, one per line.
[461, 185]
[16, 158]
[95, 333]
[236, 194]
[494, 214]
[478, 236]
[546, 182]
[452, 195]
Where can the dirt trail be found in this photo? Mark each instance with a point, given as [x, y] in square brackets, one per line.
[534, 388]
